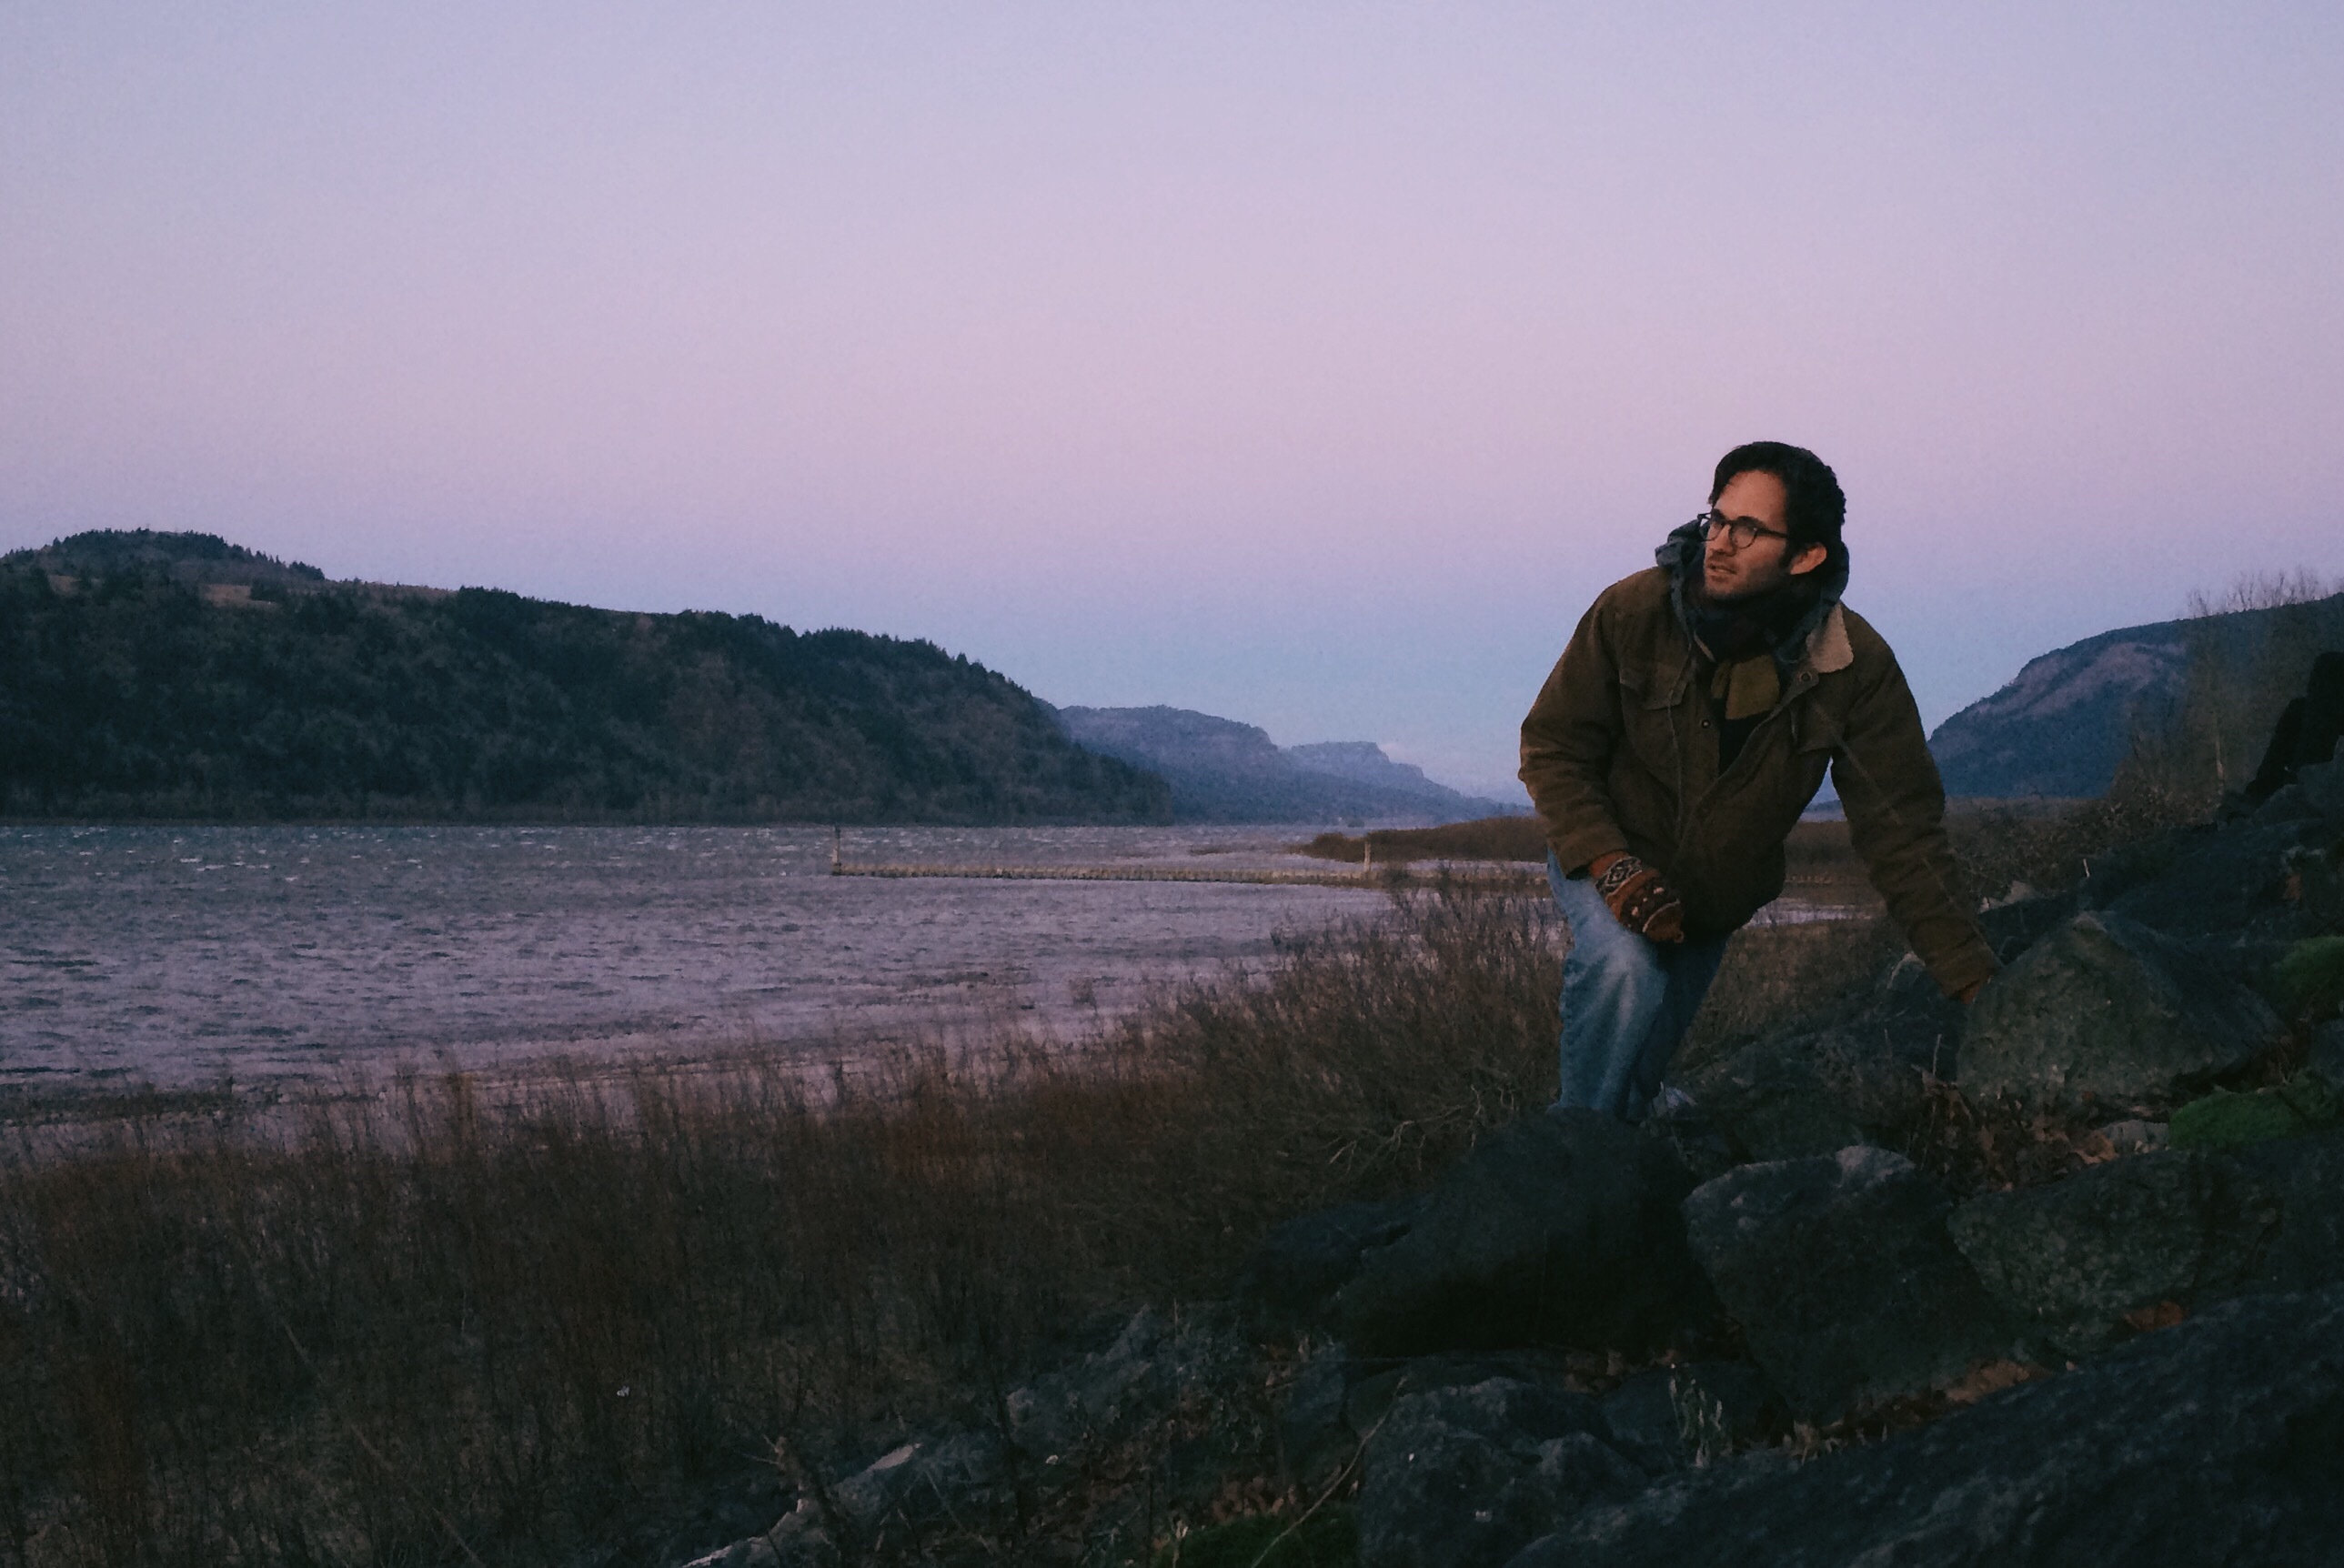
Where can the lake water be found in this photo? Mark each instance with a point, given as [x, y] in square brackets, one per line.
[185, 956]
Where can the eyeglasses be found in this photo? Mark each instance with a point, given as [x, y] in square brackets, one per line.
[1740, 530]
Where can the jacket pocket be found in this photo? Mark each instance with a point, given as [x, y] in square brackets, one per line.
[1648, 715]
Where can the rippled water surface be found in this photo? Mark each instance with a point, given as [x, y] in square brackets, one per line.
[188, 956]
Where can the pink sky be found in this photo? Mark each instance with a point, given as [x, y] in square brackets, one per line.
[1310, 365]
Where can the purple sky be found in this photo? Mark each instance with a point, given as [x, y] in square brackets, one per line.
[1313, 365]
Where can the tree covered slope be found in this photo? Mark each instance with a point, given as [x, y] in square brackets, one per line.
[146, 674]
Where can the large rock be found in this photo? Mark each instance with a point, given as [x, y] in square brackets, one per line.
[2322, 787]
[1859, 1079]
[1562, 1228]
[1292, 1279]
[1842, 1279]
[1337, 1399]
[1771, 1101]
[1674, 1416]
[2011, 928]
[2218, 1442]
[976, 1478]
[2104, 1009]
[2069, 1260]
[2226, 882]
[2325, 1059]
[1101, 1398]
[2307, 1176]
[1465, 1476]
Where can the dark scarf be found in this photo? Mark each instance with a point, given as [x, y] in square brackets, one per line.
[1757, 641]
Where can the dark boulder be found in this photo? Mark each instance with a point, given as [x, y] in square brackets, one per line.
[1145, 1370]
[1842, 1276]
[1292, 1279]
[1314, 1440]
[2218, 1442]
[1459, 1477]
[2011, 928]
[2228, 882]
[1692, 1414]
[2106, 1009]
[1561, 1229]
[2307, 1176]
[2068, 1262]
[1336, 1399]
[1796, 1093]
[2325, 1059]
[1771, 1101]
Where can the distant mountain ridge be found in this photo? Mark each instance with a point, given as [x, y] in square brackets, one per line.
[159, 674]
[1223, 771]
[2065, 724]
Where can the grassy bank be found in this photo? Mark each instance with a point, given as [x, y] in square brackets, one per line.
[439, 1326]
[445, 1327]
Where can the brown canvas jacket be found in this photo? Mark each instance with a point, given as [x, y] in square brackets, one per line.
[1619, 752]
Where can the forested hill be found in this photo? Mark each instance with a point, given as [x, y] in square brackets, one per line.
[176, 676]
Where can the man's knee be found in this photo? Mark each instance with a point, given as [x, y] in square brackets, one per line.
[1624, 969]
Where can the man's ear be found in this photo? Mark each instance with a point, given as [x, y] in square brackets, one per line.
[1809, 557]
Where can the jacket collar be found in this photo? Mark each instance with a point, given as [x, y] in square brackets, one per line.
[1828, 648]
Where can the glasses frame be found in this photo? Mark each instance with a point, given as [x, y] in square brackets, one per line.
[1739, 529]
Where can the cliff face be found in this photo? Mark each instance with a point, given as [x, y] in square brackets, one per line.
[176, 676]
[2065, 724]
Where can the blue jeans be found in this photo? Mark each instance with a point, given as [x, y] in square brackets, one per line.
[1627, 1002]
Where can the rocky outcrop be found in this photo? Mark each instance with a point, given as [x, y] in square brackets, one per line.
[1339, 1401]
[2218, 1442]
[2071, 1261]
[2104, 1009]
[976, 1478]
[1842, 1279]
[1771, 1099]
[1291, 1279]
[1463, 1476]
[1496, 1357]
[1560, 1229]
[1692, 1414]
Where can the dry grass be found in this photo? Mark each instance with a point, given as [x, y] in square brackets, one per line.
[442, 1326]
[456, 1328]
[1511, 838]
[2001, 849]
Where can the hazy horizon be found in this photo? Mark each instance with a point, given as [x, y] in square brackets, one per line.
[1311, 367]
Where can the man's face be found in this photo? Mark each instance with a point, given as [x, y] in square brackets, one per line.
[1766, 562]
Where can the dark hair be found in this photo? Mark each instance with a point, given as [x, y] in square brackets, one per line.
[1816, 507]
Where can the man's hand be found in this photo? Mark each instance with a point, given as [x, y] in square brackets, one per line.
[1969, 993]
[1638, 897]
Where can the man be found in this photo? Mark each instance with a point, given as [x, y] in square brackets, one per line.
[1685, 728]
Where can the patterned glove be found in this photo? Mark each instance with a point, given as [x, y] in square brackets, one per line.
[1638, 897]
